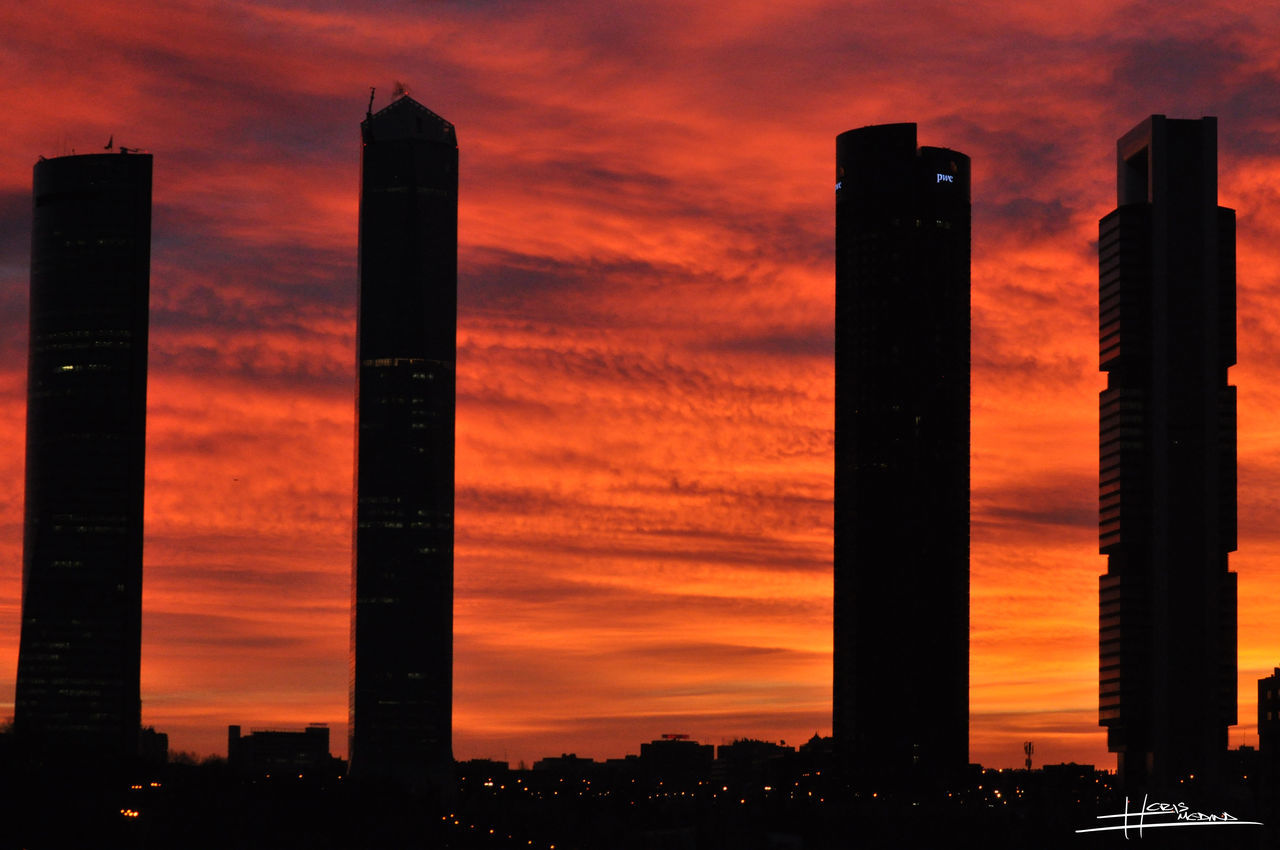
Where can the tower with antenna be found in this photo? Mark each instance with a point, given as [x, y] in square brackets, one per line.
[402, 606]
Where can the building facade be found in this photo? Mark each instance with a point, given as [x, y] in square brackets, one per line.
[1167, 485]
[901, 682]
[281, 752]
[77, 687]
[402, 617]
[1269, 723]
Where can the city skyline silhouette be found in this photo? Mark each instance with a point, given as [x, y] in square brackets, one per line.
[644, 409]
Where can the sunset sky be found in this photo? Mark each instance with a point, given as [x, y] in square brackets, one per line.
[645, 375]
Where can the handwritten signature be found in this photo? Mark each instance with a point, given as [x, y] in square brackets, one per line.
[1181, 814]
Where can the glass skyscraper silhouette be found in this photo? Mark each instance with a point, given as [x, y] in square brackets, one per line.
[402, 606]
[1167, 641]
[77, 688]
[901, 617]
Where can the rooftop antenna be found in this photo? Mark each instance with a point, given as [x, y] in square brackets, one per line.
[369, 110]
[1028, 748]
[110, 142]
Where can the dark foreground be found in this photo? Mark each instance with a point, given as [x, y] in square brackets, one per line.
[209, 806]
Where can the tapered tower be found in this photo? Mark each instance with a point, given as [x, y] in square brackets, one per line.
[402, 607]
[77, 693]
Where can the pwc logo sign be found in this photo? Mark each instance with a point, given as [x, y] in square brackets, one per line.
[946, 178]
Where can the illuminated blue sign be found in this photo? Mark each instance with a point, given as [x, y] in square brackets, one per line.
[946, 178]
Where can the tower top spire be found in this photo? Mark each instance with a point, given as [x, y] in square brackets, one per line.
[405, 118]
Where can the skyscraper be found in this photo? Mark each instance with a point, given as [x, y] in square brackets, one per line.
[402, 617]
[1167, 640]
[78, 659]
[901, 685]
